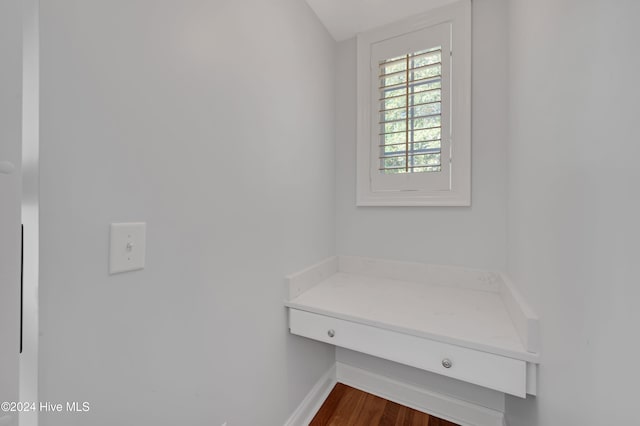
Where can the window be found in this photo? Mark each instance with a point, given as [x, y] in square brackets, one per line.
[414, 111]
[410, 114]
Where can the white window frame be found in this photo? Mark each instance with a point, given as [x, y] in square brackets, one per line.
[418, 189]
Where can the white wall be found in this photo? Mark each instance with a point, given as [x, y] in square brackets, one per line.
[10, 188]
[471, 236]
[574, 204]
[175, 113]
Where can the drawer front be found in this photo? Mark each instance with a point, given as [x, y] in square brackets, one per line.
[481, 368]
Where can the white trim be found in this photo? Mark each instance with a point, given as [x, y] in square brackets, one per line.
[30, 209]
[440, 405]
[458, 15]
[311, 403]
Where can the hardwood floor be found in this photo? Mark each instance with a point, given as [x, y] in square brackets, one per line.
[346, 406]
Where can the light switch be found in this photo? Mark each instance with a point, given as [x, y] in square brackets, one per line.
[128, 247]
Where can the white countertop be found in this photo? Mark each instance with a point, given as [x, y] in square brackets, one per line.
[468, 317]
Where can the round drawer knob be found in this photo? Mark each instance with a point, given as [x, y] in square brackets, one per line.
[446, 363]
[331, 333]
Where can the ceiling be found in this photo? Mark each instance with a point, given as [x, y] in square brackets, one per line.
[346, 18]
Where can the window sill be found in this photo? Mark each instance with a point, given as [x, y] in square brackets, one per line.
[414, 199]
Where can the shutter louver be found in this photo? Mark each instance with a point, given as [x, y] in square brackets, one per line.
[411, 112]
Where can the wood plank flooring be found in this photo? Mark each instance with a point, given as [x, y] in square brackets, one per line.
[346, 406]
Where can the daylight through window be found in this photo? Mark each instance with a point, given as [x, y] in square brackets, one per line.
[410, 112]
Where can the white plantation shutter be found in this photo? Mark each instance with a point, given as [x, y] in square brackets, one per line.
[410, 134]
[410, 138]
[414, 111]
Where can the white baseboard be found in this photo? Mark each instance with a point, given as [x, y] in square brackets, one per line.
[440, 405]
[311, 403]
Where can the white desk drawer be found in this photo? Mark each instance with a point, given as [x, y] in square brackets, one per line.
[481, 368]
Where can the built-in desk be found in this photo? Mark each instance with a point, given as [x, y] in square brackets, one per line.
[467, 324]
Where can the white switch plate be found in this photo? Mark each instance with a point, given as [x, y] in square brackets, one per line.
[128, 247]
